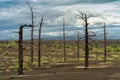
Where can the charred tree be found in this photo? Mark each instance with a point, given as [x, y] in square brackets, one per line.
[105, 43]
[64, 44]
[32, 22]
[86, 41]
[78, 45]
[84, 17]
[20, 68]
[39, 44]
[87, 37]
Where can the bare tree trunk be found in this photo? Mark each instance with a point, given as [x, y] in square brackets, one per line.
[39, 44]
[105, 43]
[64, 39]
[20, 69]
[86, 43]
[32, 36]
[32, 45]
[84, 17]
[78, 45]
[32, 21]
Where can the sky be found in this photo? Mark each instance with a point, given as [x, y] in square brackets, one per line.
[14, 13]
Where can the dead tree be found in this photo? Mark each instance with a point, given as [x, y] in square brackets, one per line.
[84, 17]
[39, 44]
[87, 37]
[105, 42]
[64, 44]
[32, 22]
[78, 45]
[20, 68]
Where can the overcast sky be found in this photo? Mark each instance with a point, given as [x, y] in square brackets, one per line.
[13, 13]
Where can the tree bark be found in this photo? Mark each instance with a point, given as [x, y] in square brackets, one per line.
[39, 44]
[78, 45]
[64, 44]
[32, 22]
[86, 43]
[20, 69]
[105, 43]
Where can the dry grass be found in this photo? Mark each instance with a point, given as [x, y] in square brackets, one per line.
[53, 67]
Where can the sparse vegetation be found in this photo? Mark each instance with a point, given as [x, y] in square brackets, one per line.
[113, 48]
[11, 43]
[11, 63]
[53, 56]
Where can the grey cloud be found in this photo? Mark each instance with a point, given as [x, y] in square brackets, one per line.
[54, 10]
[69, 2]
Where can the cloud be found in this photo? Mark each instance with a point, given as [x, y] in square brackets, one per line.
[68, 2]
[54, 11]
[53, 14]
